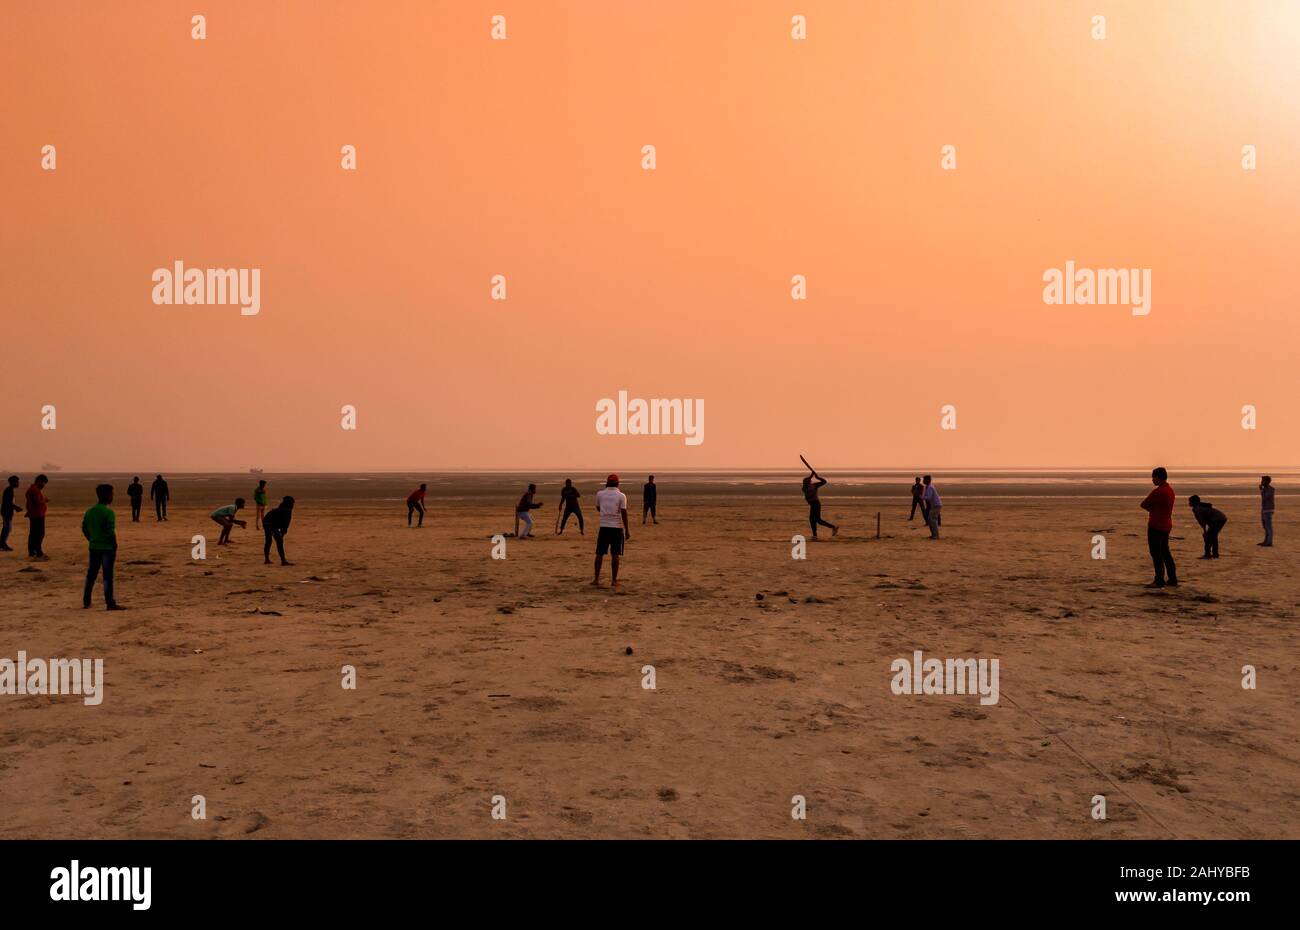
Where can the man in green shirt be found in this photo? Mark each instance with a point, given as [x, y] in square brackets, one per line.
[259, 498]
[99, 526]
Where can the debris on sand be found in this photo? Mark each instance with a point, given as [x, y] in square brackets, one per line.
[1165, 777]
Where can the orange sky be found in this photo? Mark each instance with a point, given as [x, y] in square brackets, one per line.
[776, 158]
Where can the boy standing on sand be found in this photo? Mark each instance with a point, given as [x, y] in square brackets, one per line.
[36, 507]
[918, 490]
[521, 512]
[933, 507]
[1266, 509]
[135, 494]
[159, 494]
[649, 498]
[1159, 505]
[614, 531]
[99, 526]
[275, 525]
[569, 504]
[259, 500]
[226, 518]
[7, 510]
[1211, 520]
[415, 503]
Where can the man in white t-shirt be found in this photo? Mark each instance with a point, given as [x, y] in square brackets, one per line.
[612, 504]
[933, 507]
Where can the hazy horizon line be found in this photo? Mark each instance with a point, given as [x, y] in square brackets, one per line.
[468, 469]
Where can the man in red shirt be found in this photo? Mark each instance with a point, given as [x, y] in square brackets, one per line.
[415, 503]
[1159, 505]
[36, 507]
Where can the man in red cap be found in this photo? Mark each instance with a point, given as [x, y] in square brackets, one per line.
[612, 505]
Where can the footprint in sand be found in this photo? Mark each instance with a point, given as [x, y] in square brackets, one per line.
[252, 822]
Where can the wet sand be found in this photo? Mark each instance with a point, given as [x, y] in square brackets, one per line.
[480, 677]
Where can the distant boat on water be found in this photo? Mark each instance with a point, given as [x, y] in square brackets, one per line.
[256, 471]
[48, 467]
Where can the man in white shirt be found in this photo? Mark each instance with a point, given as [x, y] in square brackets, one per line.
[933, 507]
[612, 505]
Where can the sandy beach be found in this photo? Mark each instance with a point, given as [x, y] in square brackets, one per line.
[479, 677]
